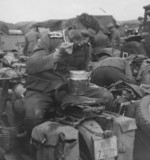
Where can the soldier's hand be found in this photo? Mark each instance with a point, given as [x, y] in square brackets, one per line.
[63, 49]
[66, 47]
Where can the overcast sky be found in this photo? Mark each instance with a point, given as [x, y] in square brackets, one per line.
[40, 10]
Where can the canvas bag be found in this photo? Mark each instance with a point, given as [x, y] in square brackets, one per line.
[124, 128]
[55, 141]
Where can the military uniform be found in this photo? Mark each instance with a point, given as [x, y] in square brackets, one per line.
[45, 74]
[102, 41]
[31, 39]
[111, 70]
[115, 38]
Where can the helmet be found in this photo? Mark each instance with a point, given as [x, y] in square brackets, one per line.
[106, 52]
[110, 25]
[118, 24]
[140, 18]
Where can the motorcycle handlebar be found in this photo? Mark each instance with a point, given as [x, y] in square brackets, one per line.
[12, 78]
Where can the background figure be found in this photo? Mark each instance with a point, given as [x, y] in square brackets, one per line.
[110, 69]
[101, 40]
[140, 19]
[31, 39]
[115, 36]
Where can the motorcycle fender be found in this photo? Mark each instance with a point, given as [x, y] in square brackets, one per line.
[88, 129]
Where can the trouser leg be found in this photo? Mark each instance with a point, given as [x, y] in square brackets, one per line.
[37, 105]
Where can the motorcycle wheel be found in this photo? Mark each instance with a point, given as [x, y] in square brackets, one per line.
[143, 114]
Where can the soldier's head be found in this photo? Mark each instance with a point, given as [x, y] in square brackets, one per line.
[110, 26]
[88, 24]
[101, 48]
[118, 25]
[140, 18]
[75, 36]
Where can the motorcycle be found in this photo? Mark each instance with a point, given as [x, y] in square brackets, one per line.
[15, 61]
[136, 64]
[84, 123]
[126, 96]
[99, 131]
[133, 101]
[11, 91]
[85, 115]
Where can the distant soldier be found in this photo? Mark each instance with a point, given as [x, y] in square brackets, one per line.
[115, 36]
[103, 42]
[31, 39]
[110, 69]
[140, 19]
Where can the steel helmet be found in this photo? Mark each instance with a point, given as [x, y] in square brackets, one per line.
[140, 18]
[110, 25]
[118, 24]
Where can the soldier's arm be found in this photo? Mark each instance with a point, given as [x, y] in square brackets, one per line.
[39, 35]
[142, 68]
[128, 71]
[43, 55]
[139, 75]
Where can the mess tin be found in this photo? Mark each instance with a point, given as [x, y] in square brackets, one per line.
[78, 82]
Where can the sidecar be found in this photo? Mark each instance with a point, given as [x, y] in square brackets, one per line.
[92, 133]
[81, 130]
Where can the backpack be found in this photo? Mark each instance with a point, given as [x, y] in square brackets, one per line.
[55, 141]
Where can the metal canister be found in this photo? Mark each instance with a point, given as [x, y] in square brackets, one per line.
[78, 82]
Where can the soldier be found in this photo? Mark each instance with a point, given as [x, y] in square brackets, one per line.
[140, 19]
[110, 69]
[31, 39]
[115, 36]
[54, 56]
[103, 42]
